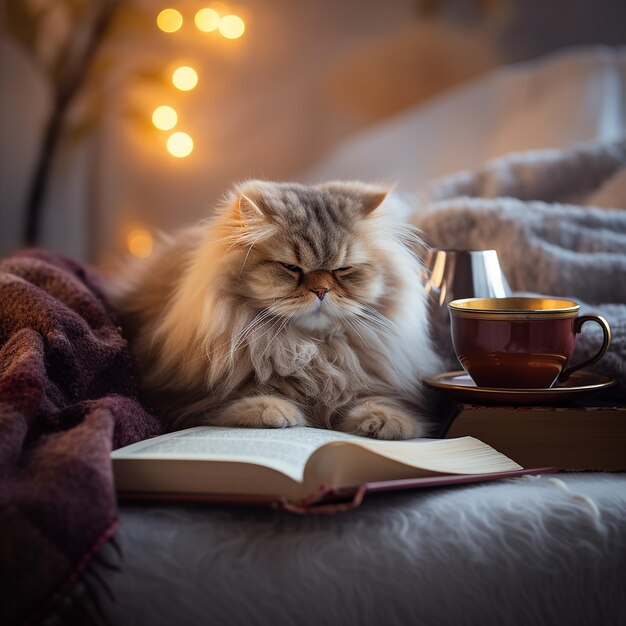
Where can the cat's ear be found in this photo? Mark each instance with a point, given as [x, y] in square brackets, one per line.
[253, 198]
[249, 210]
[371, 200]
[369, 197]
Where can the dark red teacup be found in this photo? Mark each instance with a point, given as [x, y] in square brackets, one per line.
[519, 342]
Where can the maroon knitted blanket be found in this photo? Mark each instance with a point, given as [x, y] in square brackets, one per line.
[68, 396]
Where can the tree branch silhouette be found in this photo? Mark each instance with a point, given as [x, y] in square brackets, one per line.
[71, 78]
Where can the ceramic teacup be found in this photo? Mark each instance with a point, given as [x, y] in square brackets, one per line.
[519, 342]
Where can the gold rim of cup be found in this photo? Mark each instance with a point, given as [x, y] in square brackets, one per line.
[513, 308]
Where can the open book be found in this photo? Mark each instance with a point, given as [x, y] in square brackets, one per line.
[294, 465]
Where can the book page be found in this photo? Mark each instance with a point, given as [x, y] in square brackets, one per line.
[462, 455]
[282, 449]
[361, 460]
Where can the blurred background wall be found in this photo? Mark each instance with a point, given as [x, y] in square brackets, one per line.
[269, 101]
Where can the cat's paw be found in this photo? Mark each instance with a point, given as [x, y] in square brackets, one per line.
[261, 412]
[381, 419]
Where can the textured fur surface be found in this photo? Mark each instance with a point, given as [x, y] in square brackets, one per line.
[544, 551]
[293, 305]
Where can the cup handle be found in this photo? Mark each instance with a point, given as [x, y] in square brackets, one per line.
[578, 325]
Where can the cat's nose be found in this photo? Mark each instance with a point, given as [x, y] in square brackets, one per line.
[320, 292]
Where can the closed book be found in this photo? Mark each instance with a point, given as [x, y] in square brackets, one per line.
[568, 438]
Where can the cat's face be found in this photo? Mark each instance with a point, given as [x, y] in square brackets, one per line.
[307, 255]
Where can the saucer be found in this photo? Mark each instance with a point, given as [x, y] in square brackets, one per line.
[460, 386]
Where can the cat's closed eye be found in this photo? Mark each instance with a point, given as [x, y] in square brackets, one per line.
[297, 269]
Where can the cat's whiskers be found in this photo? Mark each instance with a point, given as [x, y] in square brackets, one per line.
[272, 324]
[347, 306]
[380, 318]
[373, 333]
[262, 319]
[265, 317]
[236, 241]
[373, 323]
[250, 337]
[259, 320]
[354, 326]
[283, 308]
[238, 338]
[271, 341]
[248, 253]
[378, 315]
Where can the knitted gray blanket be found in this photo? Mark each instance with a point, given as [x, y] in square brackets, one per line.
[558, 222]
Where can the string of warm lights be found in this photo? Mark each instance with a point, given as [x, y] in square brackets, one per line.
[179, 144]
[185, 78]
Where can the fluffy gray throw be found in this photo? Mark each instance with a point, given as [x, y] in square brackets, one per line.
[558, 221]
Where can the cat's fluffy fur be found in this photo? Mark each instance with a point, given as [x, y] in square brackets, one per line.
[293, 305]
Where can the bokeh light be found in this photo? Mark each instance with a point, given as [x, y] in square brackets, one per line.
[169, 20]
[207, 20]
[185, 78]
[139, 242]
[180, 145]
[232, 26]
[164, 117]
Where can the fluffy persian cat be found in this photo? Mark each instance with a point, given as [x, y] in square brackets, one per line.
[294, 305]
